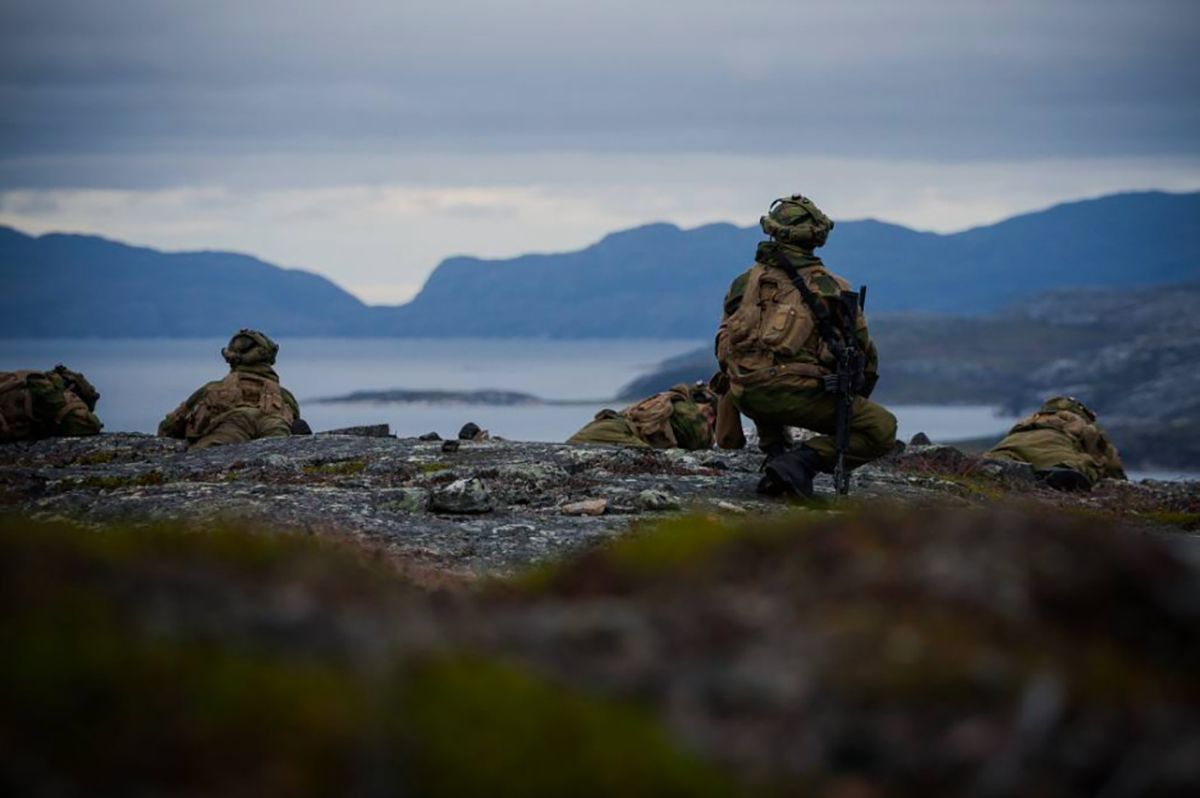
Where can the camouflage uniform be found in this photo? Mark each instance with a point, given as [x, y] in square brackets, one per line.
[1064, 445]
[771, 349]
[682, 417]
[46, 404]
[248, 403]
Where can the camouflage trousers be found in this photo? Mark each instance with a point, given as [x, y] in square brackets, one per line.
[1045, 449]
[612, 429]
[772, 408]
[241, 425]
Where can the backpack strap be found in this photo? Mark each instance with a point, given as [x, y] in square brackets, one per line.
[830, 334]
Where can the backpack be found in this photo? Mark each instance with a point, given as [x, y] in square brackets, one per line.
[237, 389]
[772, 326]
[16, 406]
[652, 416]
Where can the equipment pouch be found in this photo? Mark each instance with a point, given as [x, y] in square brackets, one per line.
[785, 329]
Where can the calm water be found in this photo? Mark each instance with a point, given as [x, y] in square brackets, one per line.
[140, 380]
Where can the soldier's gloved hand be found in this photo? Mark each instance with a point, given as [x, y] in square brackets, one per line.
[832, 383]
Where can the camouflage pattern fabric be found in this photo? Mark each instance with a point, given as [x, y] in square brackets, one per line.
[1063, 433]
[682, 417]
[241, 425]
[248, 403]
[609, 427]
[36, 404]
[770, 345]
[774, 407]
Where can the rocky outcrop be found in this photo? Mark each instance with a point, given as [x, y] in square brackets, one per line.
[488, 505]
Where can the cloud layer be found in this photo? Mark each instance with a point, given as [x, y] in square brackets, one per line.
[367, 139]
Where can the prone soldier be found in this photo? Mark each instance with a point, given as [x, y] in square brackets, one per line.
[1066, 447]
[682, 417]
[46, 404]
[248, 403]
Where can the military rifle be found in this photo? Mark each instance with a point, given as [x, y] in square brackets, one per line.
[847, 381]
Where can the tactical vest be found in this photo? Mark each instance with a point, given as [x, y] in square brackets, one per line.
[238, 389]
[17, 418]
[652, 416]
[773, 333]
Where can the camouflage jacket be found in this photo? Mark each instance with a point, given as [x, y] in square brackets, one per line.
[255, 386]
[768, 332]
[41, 404]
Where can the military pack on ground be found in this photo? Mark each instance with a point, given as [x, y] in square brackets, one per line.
[793, 350]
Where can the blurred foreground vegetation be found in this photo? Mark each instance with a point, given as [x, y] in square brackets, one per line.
[874, 653]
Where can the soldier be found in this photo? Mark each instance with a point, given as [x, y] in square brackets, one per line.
[1064, 444]
[247, 404]
[682, 417]
[775, 350]
[46, 404]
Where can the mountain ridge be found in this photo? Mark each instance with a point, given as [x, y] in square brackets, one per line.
[654, 280]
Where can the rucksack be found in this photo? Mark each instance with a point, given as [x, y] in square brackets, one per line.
[237, 389]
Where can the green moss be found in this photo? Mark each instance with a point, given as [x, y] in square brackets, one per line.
[341, 468]
[479, 727]
[1183, 520]
[114, 482]
[433, 468]
[97, 458]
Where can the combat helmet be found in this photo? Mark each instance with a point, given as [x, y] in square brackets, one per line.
[797, 220]
[250, 348]
[78, 384]
[702, 394]
[1069, 403]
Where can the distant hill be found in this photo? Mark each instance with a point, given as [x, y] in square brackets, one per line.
[652, 281]
[660, 281]
[76, 286]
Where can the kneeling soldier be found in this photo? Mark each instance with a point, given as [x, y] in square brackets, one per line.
[248, 404]
[1064, 444]
[46, 404]
[787, 324]
[682, 417]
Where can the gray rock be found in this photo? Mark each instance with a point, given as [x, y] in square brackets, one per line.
[656, 501]
[368, 431]
[462, 497]
[920, 439]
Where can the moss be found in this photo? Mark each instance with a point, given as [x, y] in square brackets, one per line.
[433, 468]
[1183, 520]
[338, 469]
[97, 458]
[480, 727]
[114, 482]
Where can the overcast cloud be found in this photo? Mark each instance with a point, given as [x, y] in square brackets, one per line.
[366, 140]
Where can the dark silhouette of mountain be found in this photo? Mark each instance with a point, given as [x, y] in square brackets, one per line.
[651, 281]
[78, 286]
[660, 281]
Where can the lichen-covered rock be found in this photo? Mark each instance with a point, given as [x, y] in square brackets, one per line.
[378, 489]
[462, 497]
[656, 501]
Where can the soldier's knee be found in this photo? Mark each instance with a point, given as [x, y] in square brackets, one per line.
[880, 431]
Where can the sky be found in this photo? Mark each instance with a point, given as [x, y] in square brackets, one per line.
[366, 140]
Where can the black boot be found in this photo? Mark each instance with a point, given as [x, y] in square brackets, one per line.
[792, 473]
[1061, 478]
[769, 486]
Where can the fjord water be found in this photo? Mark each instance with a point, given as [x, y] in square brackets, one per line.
[140, 380]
